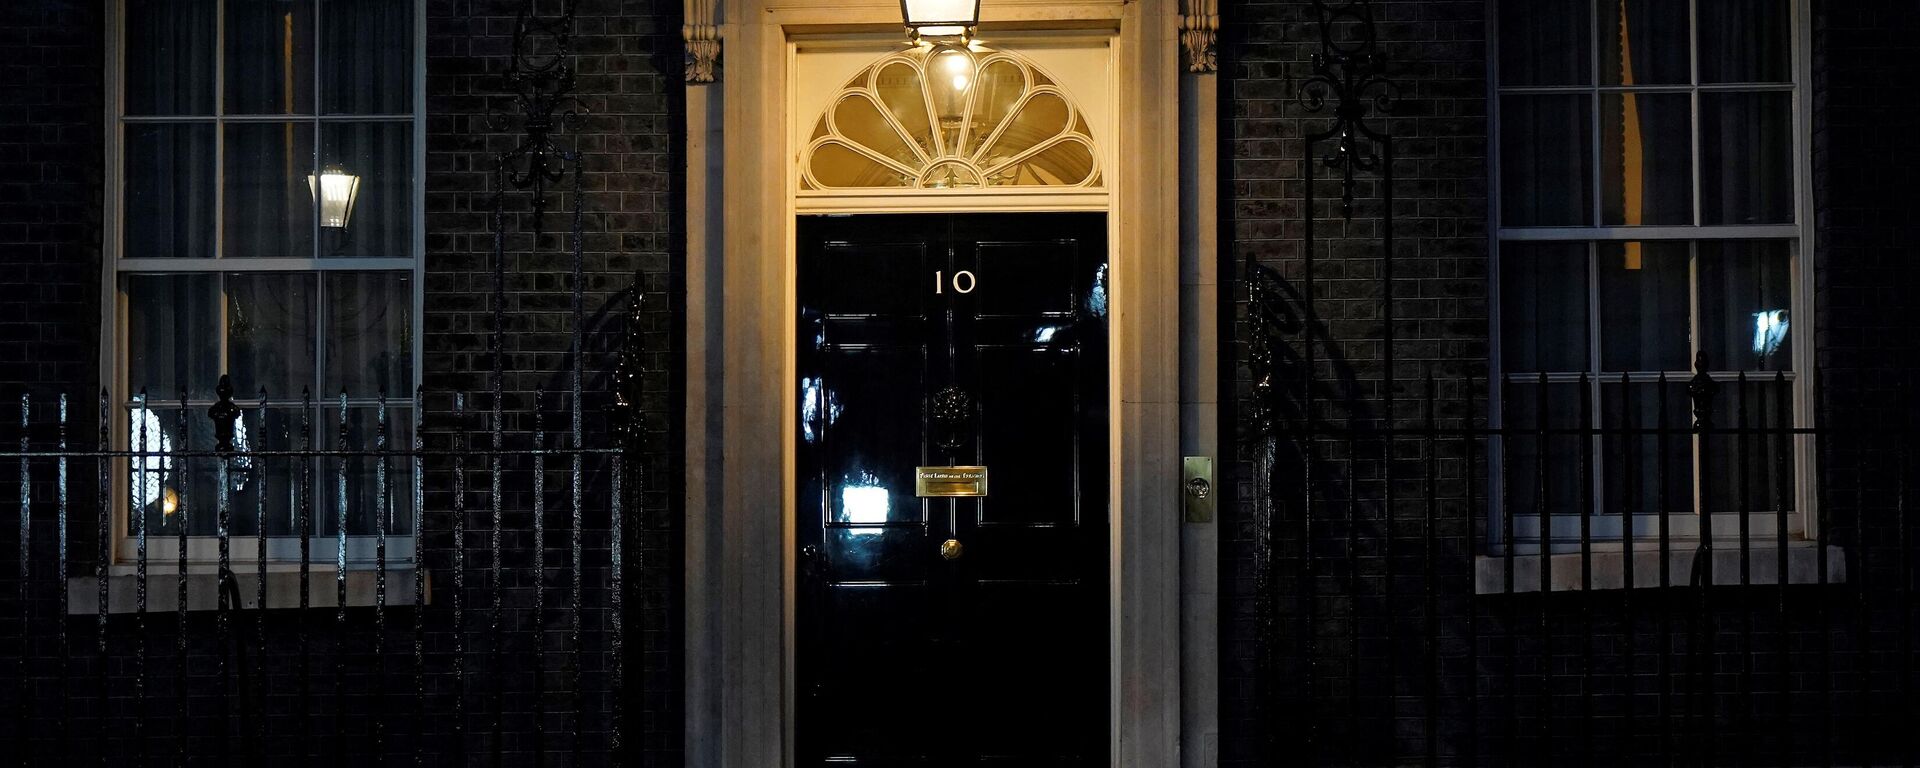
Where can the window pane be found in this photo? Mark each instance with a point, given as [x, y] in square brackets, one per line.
[166, 487]
[173, 334]
[362, 472]
[1529, 481]
[366, 61]
[380, 222]
[1745, 41]
[369, 333]
[1647, 474]
[1746, 159]
[270, 333]
[1643, 307]
[1746, 292]
[1543, 306]
[269, 206]
[1544, 42]
[1748, 471]
[169, 191]
[269, 479]
[269, 57]
[169, 57]
[1646, 158]
[1643, 42]
[1546, 160]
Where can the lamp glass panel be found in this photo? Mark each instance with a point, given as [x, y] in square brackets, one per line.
[924, 12]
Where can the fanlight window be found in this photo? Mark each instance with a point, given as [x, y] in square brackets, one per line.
[950, 118]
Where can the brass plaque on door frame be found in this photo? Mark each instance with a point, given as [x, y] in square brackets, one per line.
[950, 482]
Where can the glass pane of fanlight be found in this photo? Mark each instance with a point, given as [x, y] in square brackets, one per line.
[858, 119]
[999, 88]
[1042, 117]
[1065, 163]
[838, 166]
[898, 85]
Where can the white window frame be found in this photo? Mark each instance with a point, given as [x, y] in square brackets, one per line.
[202, 550]
[1605, 532]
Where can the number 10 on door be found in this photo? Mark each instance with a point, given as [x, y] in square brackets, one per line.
[962, 281]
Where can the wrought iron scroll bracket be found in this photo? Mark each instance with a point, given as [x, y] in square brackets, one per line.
[540, 77]
[1349, 74]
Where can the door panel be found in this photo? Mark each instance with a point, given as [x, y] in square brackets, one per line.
[952, 340]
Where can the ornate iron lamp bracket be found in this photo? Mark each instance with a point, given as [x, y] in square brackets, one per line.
[540, 78]
[1348, 73]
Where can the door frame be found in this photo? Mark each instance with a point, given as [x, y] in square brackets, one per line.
[740, 579]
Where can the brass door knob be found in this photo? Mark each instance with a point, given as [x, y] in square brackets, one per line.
[951, 549]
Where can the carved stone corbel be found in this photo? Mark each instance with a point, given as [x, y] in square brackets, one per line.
[702, 34]
[1200, 33]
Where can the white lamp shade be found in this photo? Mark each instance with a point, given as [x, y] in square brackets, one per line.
[336, 190]
[940, 18]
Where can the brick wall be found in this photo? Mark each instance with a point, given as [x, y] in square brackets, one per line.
[1436, 55]
[630, 97]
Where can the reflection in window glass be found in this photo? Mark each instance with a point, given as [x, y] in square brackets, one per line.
[270, 337]
[1546, 160]
[1643, 42]
[169, 190]
[173, 334]
[380, 155]
[369, 333]
[1746, 296]
[1544, 42]
[269, 209]
[1543, 306]
[167, 64]
[1646, 159]
[269, 62]
[368, 69]
[1746, 158]
[1643, 306]
[1745, 41]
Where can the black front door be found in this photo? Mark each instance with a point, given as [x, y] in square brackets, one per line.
[952, 631]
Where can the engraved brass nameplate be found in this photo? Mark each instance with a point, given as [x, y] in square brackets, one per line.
[950, 482]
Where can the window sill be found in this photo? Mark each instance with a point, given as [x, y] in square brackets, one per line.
[1607, 571]
[283, 588]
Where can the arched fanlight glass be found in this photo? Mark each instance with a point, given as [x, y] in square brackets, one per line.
[336, 190]
[950, 115]
[940, 18]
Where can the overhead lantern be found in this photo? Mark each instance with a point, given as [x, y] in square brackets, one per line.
[952, 20]
[335, 189]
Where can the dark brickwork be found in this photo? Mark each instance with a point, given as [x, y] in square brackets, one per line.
[630, 94]
[1436, 52]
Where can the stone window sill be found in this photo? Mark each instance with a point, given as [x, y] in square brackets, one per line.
[283, 588]
[1606, 567]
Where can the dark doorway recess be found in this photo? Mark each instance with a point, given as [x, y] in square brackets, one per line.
[952, 631]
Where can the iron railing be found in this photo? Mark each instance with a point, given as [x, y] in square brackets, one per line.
[1426, 627]
[186, 657]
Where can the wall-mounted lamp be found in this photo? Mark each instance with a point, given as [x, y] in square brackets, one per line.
[952, 20]
[336, 190]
